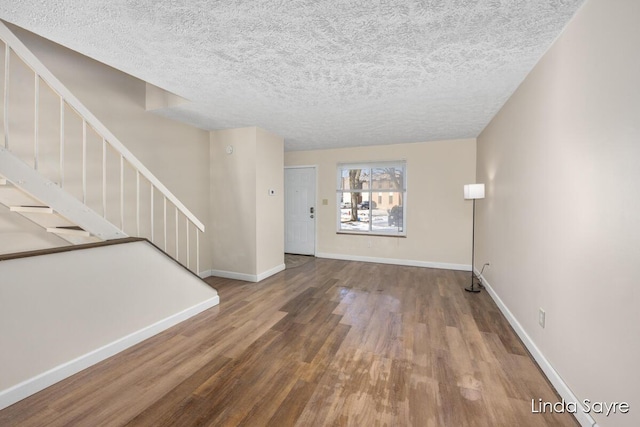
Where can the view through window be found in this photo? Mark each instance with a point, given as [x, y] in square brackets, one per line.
[371, 198]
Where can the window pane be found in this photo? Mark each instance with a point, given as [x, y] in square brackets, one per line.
[389, 218]
[354, 216]
[370, 197]
[390, 178]
[354, 179]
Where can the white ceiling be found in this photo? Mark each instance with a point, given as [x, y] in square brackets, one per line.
[320, 73]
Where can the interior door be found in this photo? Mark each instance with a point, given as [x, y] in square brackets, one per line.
[300, 210]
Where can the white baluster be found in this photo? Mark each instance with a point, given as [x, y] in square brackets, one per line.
[84, 161]
[151, 209]
[186, 220]
[197, 251]
[61, 142]
[7, 55]
[104, 178]
[177, 245]
[165, 224]
[137, 203]
[36, 112]
[121, 192]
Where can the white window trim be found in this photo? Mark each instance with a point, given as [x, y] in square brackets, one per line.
[372, 165]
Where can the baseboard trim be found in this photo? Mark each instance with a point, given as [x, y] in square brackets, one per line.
[234, 275]
[405, 262]
[205, 273]
[561, 387]
[245, 277]
[40, 382]
[271, 272]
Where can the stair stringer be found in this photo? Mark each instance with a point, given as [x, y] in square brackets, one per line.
[33, 183]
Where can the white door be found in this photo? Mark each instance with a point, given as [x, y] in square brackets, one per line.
[300, 210]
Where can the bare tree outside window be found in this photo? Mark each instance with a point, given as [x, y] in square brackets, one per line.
[355, 183]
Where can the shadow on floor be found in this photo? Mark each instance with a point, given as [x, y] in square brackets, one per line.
[293, 261]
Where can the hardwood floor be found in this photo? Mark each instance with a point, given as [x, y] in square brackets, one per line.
[327, 343]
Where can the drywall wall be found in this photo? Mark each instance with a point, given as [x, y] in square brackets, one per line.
[269, 208]
[174, 152]
[560, 222]
[56, 318]
[233, 200]
[247, 223]
[438, 218]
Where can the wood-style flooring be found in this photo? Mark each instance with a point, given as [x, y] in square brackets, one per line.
[333, 343]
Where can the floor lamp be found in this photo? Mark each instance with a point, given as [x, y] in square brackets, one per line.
[473, 192]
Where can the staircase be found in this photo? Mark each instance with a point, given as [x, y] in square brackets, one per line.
[62, 169]
[20, 202]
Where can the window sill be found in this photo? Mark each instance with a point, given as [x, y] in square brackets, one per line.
[355, 233]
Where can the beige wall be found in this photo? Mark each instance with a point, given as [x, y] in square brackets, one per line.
[176, 153]
[438, 218]
[560, 222]
[247, 223]
[233, 200]
[56, 318]
[270, 209]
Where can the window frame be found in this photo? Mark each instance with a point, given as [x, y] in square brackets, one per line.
[341, 167]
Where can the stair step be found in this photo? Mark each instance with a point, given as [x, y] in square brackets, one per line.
[31, 209]
[71, 230]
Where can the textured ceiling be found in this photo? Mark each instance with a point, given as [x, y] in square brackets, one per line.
[320, 73]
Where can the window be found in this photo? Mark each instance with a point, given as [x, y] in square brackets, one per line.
[358, 211]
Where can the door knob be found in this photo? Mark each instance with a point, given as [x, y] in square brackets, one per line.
[311, 209]
[311, 216]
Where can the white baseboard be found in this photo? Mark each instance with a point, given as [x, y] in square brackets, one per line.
[561, 387]
[234, 275]
[406, 262]
[40, 382]
[245, 277]
[205, 273]
[271, 272]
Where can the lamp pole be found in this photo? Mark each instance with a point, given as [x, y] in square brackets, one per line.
[472, 288]
[473, 192]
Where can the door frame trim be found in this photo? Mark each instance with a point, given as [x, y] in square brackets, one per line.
[315, 224]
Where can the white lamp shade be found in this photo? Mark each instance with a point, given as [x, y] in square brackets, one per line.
[474, 191]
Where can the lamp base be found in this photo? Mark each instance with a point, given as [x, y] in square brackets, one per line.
[472, 289]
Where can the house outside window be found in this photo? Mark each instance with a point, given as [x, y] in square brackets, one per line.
[358, 210]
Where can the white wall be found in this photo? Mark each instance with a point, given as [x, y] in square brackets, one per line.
[560, 224]
[56, 318]
[247, 223]
[270, 209]
[438, 218]
[176, 153]
[233, 200]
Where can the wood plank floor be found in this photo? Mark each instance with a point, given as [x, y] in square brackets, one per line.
[327, 343]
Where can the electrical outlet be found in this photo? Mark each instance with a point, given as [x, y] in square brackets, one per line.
[541, 317]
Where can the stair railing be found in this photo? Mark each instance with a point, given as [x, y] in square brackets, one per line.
[68, 103]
